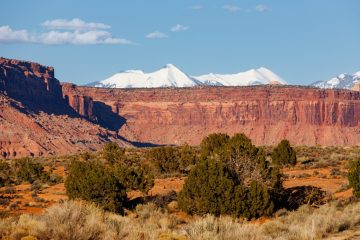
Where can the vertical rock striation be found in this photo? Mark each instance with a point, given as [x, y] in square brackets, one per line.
[266, 114]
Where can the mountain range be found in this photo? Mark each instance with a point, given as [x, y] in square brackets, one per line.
[343, 81]
[171, 76]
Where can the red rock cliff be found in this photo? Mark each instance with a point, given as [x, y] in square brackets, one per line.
[266, 114]
[35, 119]
[82, 104]
[36, 85]
[28, 81]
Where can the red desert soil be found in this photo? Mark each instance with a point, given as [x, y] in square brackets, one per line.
[28, 204]
[56, 193]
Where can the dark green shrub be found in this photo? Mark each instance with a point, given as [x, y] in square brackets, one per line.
[165, 158]
[209, 188]
[284, 154]
[214, 144]
[28, 170]
[94, 182]
[354, 177]
[234, 179]
[55, 179]
[245, 159]
[260, 202]
[187, 158]
[5, 172]
[112, 152]
[135, 178]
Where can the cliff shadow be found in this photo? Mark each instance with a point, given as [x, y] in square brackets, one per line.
[110, 120]
[48, 106]
[106, 118]
[140, 144]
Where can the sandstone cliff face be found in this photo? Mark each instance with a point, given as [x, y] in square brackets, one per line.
[266, 114]
[82, 104]
[29, 81]
[36, 86]
[36, 120]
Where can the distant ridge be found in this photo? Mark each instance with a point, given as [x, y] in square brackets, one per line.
[171, 76]
[343, 81]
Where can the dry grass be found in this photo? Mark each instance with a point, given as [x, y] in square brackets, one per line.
[304, 224]
[80, 221]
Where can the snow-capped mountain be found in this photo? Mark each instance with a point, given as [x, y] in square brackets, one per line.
[252, 77]
[168, 76]
[344, 80]
[171, 76]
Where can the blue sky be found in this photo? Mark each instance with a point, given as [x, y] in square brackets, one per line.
[302, 41]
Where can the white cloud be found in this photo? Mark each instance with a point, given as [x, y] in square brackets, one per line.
[74, 24]
[262, 8]
[80, 38]
[8, 35]
[196, 7]
[232, 8]
[179, 28]
[156, 34]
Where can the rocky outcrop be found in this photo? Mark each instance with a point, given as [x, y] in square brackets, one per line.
[266, 114]
[82, 104]
[29, 81]
[36, 86]
[36, 119]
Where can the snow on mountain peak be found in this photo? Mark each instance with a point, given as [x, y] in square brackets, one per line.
[171, 76]
[251, 77]
[342, 75]
[344, 80]
[134, 71]
[169, 65]
[168, 76]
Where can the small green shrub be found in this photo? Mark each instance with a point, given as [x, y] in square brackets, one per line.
[112, 152]
[209, 188]
[29, 170]
[94, 182]
[354, 177]
[5, 172]
[165, 158]
[55, 179]
[260, 202]
[135, 178]
[284, 154]
[214, 144]
[187, 158]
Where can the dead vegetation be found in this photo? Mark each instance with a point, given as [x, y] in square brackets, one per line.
[82, 221]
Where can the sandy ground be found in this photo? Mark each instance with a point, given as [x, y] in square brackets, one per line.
[23, 202]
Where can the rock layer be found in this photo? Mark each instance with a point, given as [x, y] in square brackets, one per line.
[82, 104]
[35, 118]
[266, 114]
[28, 81]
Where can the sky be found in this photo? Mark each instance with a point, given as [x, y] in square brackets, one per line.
[302, 41]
